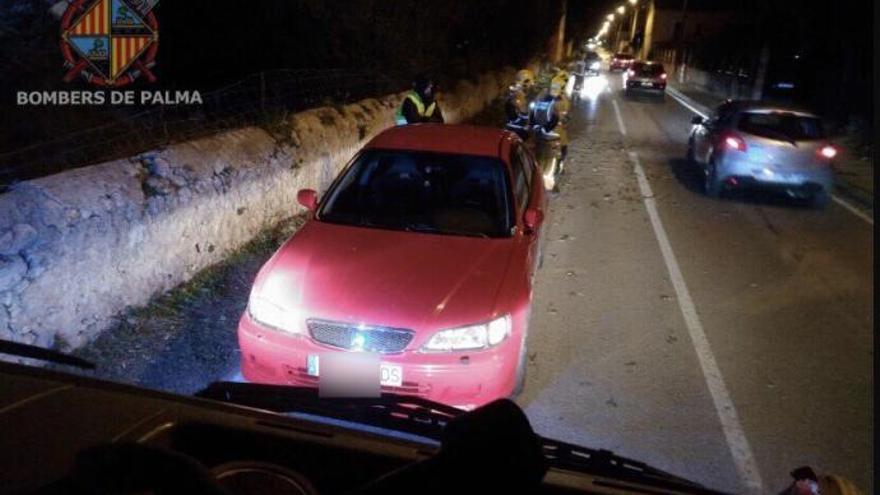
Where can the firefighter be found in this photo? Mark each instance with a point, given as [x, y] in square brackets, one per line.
[806, 482]
[516, 106]
[419, 105]
[551, 113]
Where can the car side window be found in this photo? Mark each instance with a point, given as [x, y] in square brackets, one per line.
[520, 181]
[528, 165]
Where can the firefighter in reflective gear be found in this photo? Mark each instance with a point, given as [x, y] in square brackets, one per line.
[806, 482]
[418, 105]
[561, 77]
[516, 106]
[551, 113]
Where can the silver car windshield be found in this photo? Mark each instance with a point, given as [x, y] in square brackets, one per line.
[781, 125]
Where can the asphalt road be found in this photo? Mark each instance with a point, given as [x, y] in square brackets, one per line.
[742, 351]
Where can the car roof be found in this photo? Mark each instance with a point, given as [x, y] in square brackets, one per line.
[444, 138]
[758, 106]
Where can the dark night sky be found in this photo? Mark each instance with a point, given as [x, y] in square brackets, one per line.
[210, 43]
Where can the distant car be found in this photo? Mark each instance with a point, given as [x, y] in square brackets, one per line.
[593, 62]
[747, 143]
[621, 62]
[645, 76]
[422, 251]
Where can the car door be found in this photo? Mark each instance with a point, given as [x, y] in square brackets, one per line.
[700, 139]
[707, 132]
[529, 189]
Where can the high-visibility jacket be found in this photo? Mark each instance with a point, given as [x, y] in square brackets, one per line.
[414, 97]
[552, 114]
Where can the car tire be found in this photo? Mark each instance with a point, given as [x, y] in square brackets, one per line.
[820, 199]
[712, 186]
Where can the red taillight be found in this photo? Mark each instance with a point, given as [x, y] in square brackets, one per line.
[828, 152]
[663, 76]
[734, 142]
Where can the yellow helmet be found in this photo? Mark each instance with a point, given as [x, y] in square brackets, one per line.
[525, 77]
[837, 485]
[560, 78]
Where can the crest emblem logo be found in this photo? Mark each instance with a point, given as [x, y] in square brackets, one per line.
[110, 43]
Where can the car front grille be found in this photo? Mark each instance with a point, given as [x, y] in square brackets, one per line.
[359, 337]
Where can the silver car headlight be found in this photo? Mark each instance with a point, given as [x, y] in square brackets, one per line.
[471, 337]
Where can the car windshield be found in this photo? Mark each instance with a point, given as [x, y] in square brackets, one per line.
[776, 125]
[591, 56]
[423, 192]
[649, 70]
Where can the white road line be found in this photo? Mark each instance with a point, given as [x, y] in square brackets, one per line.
[837, 199]
[852, 209]
[681, 99]
[619, 118]
[730, 424]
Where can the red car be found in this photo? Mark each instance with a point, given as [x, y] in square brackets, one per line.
[422, 251]
[645, 76]
[621, 62]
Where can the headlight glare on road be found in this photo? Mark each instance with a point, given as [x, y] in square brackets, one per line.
[270, 314]
[472, 337]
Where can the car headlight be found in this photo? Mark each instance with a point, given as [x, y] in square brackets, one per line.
[267, 313]
[472, 337]
[594, 66]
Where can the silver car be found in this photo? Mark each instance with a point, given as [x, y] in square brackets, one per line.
[747, 143]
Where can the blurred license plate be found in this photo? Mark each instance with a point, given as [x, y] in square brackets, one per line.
[390, 375]
[647, 84]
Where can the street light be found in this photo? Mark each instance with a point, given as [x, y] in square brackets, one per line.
[633, 2]
[610, 17]
[621, 10]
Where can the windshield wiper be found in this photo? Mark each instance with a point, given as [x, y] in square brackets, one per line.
[607, 464]
[34, 352]
[430, 229]
[399, 413]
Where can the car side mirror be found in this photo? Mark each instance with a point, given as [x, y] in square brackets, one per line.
[532, 219]
[697, 120]
[307, 198]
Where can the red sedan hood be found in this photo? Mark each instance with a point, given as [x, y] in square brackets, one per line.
[391, 278]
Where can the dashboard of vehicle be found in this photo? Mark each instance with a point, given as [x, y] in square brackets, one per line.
[70, 434]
